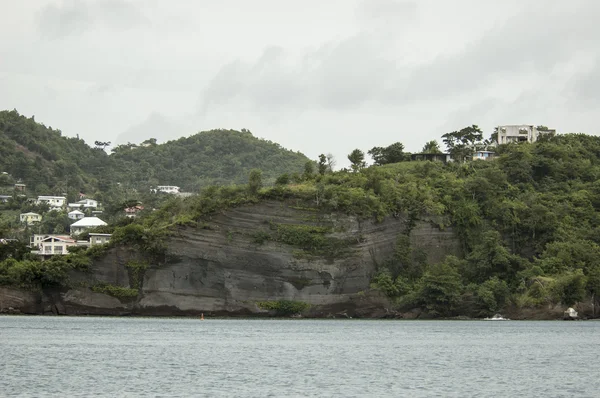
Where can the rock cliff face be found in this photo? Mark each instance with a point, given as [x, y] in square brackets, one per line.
[238, 258]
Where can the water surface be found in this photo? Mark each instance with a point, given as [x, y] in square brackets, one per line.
[158, 357]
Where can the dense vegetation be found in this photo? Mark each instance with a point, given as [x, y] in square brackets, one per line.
[50, 163]
[528, 221]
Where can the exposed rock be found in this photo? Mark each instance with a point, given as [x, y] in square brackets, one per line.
[19, 301]
[221, 268]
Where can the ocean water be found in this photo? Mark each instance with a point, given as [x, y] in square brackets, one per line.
[159, 357]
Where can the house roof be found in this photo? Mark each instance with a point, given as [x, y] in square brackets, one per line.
[89, 222]
[30, 214]
[59, 237]
[76, 212]
[51, 197]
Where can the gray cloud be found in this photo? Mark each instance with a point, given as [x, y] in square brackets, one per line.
[73, 17]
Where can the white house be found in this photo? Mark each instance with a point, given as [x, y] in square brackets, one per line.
[55, 202]
[76, 215]
[520, 133]
[30, 218]
[86, 223]
[99, 239]
[4, 198]
[84, 204]
[55, 244]
[483, 155]
[167, 189]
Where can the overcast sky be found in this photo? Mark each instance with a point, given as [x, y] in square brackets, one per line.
[315, 76]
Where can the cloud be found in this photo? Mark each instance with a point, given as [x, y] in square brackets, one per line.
[74, 17]
[364, 68]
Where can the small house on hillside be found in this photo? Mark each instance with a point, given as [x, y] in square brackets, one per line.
[30, 218]
[55, 244]
[99, 239]
[131, 212]
[76, 215]
[55, 202]
[432, 157]
[83, 204]
[483, 155]
[85, 224]
[5, 198]
[167, 189]
[20, 187]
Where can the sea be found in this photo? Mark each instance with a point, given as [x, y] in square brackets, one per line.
[48, 356]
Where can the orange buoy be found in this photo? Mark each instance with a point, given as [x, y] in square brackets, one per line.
[202, 316]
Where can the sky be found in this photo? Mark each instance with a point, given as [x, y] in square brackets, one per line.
[314, 76]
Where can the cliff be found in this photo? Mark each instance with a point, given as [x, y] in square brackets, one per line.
[240, 260]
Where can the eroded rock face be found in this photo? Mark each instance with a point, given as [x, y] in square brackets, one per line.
[235, 260]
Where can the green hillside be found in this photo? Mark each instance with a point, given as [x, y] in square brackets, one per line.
[216, 157]
[42, 158]
[49, 163]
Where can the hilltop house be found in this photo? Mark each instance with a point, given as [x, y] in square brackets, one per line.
[55, 244]
[75, 215]
[99, 239]
[55, 202]
[86, 223]
[483, 155]
[520, 133]
[5, 198]
[20, 187]
[432, 157]
[167, 189]
[30, 218]
[83, 204]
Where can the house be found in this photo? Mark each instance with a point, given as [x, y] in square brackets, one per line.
[86, 223]
[167, 189]
[131, 212]
[76, 215]
[99, 239]
[483, 155]
[55, 244]
[30, 218]
[4, 241]
[83, 204]
[5, 198]
[20, 187]
[55, 202]
[432, 157]
[520, 133]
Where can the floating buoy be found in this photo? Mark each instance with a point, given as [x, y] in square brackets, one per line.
[202, 316]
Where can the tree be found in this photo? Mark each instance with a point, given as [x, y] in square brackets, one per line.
[431, 147]
[102, 144]
[322, 167]
[440, 288]
[331, 162]
[461, 144]
[390, 154]
[357, 160]
[309, 169]
[255, 181]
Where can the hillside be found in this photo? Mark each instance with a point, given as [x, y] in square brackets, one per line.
[46, 161]
[216, 157]
[49, 163]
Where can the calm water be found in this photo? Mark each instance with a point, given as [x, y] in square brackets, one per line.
[82, 357]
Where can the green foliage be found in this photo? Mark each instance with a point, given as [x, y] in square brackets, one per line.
[255, 181]
[461, 143]
[439, 290]
[431, 147]
[284, 307]
[390, 154]
[357, 160]
[116, 291]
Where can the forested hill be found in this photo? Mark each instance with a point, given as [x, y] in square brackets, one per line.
[50, 163]
[216, 157]
[41, 157]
